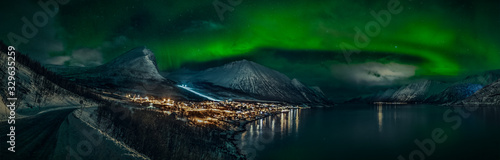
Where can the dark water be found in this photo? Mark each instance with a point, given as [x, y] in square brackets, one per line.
[376, 132]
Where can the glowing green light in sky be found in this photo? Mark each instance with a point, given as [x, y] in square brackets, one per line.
[447, 38]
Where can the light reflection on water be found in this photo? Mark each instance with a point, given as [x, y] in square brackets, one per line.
[380, 118]
[364, 132]
[263, 131]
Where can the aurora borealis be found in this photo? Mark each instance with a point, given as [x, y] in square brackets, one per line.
[300, 38]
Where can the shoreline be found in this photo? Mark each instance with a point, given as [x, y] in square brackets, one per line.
[242, 129]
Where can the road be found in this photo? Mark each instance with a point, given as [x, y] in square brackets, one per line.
[197, 93]
[36, 136]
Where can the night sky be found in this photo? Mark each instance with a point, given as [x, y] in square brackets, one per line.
[303, 39]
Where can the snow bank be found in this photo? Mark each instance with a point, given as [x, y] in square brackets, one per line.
[78, 138]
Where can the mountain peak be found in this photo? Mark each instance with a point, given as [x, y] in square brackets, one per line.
[255, 79]
[243, 62]
[137, 52]
[138, 62]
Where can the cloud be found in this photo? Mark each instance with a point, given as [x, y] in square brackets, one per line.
[373, 73]
[59, 60]
[47, 39]
[84, 57]
[88, 57]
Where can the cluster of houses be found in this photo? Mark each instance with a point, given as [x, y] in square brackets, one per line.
[212, 112]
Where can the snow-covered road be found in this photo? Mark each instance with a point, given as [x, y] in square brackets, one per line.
[36, 135]
[197, 93]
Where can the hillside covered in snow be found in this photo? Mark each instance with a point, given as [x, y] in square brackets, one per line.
[138, 63]
[134, 71]
[36, 88]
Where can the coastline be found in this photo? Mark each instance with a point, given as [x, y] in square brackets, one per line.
[242, 127]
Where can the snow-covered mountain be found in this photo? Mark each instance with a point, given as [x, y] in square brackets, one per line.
[454, 93]
[259, 82]
[426, 91]
[136, 63]
[384, 96]
[431, 91]
[413, 92]
[484, 78]
[35, 92]
[488, 95]
[135, 71]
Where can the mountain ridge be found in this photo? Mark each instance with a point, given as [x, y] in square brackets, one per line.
[139, 62]
[433, 91]
[260, 81]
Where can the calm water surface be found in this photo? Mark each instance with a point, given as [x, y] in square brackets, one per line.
[375, 132]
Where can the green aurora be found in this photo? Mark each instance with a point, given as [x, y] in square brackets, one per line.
[439, 38]
[428, 30]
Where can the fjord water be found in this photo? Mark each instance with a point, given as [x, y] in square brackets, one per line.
[375, 132]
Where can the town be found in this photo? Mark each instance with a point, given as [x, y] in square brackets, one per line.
[212, 112]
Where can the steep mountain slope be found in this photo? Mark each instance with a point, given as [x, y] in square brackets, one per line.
[484, 78]
[34, 91]
[426, 91]
[135, 71]
[417, 91]
[455, 93]
[136, 63]
[413, 92]
[384, 96]
[260, 82]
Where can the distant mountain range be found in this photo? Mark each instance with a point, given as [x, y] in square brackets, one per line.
[135, 71]
[489, 95]
[431, 91]
[36, 88]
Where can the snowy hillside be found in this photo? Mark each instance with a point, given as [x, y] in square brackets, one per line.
[136, 63]
[35, 92]
[418, 91]
[384, 96]
[430, 91]
[455, 93]
[135, 71]
[260, 82]
[70, 134]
